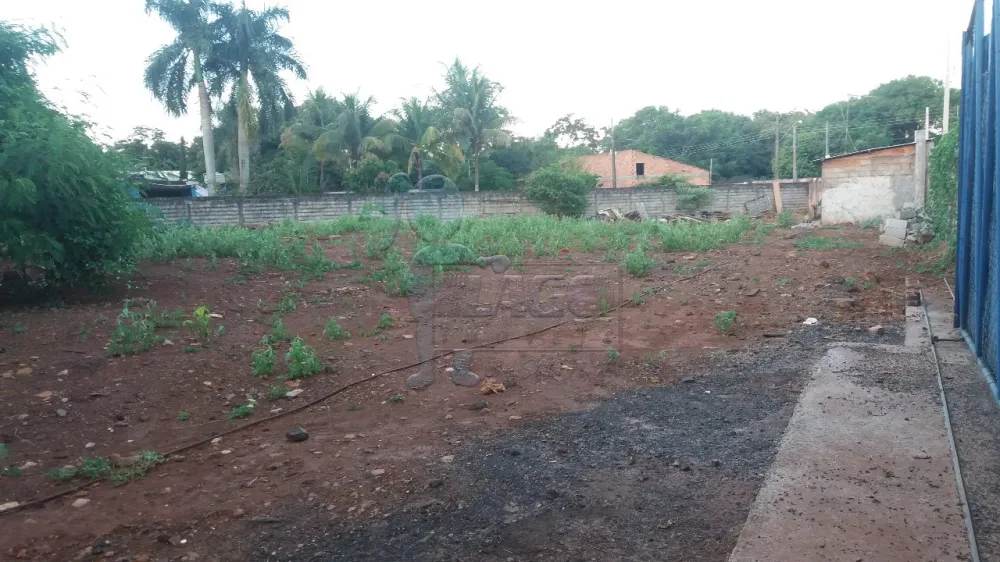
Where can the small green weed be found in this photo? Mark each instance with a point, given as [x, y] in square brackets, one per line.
[19, 328]
[61, 474]
[868, 285]
[94, 468]
[385, 322]
[396, 399]
[277, 393]
[870, 223]
[192, 349]
[818, 243]
[278, 334]
[850, 283]
[335, 331]
[612, 354]
[133, 333]
[147, 460]
[783, 281]
[301, 360]
[682, 302]
[83, 332]
[603, 302]
[637, 297]
[183, 416]
[263, 362]
[724, 321]
[574, 348]
[242, 411]
[637, 263]
[287, 304]
[200, 323]
[785, 219]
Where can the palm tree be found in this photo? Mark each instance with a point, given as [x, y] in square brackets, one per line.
[421, 138]
[315, 132]
[472, 98]
[361, 134]
[174, 69]
[250, 60]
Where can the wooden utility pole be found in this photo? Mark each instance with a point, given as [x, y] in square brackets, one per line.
[827, 139]
[614, 169]
[795, 153]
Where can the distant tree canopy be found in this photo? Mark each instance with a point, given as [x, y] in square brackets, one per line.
[740, 146]
[238, 61]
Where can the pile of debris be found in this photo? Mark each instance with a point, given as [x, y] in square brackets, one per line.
[639, 214]
[912, 227]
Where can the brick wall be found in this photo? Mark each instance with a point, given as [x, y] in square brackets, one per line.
[248, 211]
[625, 165]
[870, 184]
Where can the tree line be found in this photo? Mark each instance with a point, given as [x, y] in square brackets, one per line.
[236, 60]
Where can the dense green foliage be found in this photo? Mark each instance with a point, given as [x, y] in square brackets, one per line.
[560, 191]
[742, 147]
[65, 212]
[942, 194]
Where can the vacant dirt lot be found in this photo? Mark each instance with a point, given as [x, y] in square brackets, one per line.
[595, 449]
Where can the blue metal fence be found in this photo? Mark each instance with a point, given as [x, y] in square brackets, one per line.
[977, 290]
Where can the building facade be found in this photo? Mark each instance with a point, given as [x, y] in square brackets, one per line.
[634, 167]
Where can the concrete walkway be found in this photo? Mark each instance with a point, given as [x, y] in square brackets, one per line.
[864, 471]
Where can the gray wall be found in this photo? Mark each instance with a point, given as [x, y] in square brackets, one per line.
[222, 211]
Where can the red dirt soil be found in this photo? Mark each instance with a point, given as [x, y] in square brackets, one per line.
[75, 394]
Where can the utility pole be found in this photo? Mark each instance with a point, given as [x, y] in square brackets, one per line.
[776, 186]
[777, 145]
[614, 170]
[795, 153]
[827, 139]
[711, 169]
[947, 89]
[927, 122]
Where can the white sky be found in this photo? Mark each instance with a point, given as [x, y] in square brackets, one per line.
[599, 60]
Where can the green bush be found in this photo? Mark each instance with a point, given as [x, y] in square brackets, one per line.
[666, 180]
[371, 176]
[559, 191]
[399, 183]
[942, 193]
[690, 198]
[66, 215]
[786, 219]
[301, 360]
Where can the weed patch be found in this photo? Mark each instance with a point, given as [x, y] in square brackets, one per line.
[301, 360]
[819, 243]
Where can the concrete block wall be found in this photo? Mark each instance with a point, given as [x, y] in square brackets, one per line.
[250, 211]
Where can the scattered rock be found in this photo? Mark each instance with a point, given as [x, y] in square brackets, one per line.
[7, 374]
[217, 440]
[845, 303]
[676, 464]
[824, 264]
[80, 502]
[879, 330]
[293, 393]
[61, 413]
[24, 371]
[515, 418]
[810, 321]
[688, 380]
[168, 342]
[378, 472]
[478, 405]
[43, 395]
[29, 464]
[716, 462]
[436, 483]
[350, 436]
[297, 435]
[22, 417]
[921, 456]
[753, 292]
[552, 494]
[449, 416]
[7, 506]
[448, 459]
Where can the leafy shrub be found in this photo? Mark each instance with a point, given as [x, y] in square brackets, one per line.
[395, 274]
[724, 321]
[301, 360]
[399, 183]
[492, 177]
[786, 219]
[666, 180]
[436, 182]
[558, 191]
[637, 263]
[370, 176]
[200, 323]
[335, 331]
[263, 362]
[690, 198]
[66, 215]
[133, 333]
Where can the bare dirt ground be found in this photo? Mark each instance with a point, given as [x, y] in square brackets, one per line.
[584, 456]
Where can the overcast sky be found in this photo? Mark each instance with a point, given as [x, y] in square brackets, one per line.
[598, 60]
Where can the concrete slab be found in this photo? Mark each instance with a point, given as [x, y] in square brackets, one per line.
[864, 470]
[895, 228]
[891, 241]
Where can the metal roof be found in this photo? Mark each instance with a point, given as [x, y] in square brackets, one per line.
[876, 149]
